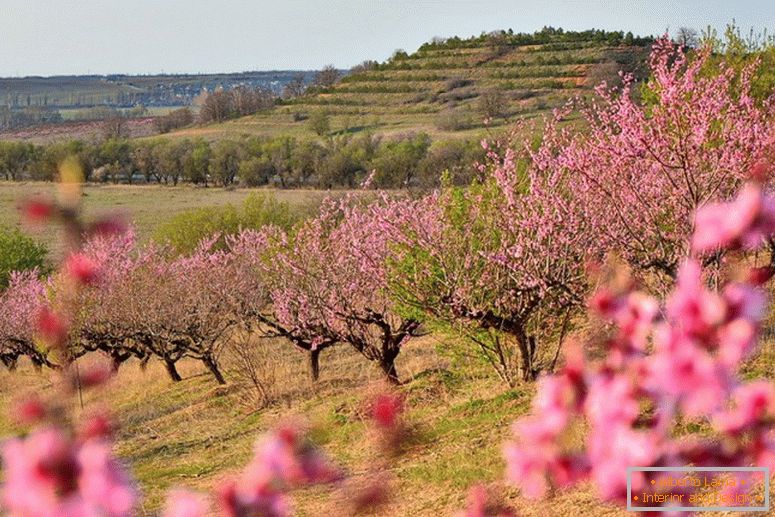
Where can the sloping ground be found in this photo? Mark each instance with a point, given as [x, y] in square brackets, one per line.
[439, 90]
[89, 131]
[195, 434]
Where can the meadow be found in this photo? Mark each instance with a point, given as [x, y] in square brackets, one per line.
[144, 207]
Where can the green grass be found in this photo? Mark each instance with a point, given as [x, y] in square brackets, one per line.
[146, 207]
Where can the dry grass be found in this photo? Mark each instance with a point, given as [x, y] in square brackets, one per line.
[195, 433]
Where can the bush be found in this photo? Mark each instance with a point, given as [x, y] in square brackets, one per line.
[187, 229]
[174, 120]
[320, 123]
[256, 171]
[19, 252]
[453, 120]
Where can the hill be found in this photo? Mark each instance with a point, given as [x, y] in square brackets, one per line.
[448, 87]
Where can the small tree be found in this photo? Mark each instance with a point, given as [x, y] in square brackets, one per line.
[492, 104]
[225, 162]
[319, 123]
[327, 77]
[295, 87]
[333, 281]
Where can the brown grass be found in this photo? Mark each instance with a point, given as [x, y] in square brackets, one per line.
[195, 433]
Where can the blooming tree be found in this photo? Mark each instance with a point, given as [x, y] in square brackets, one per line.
[665, 362]
[497, 261]
[255, 276]
[641, 169]
[334, 280]
[20, 305]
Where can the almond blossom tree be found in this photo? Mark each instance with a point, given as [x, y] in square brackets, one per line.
[665, 362]
[203, 304]
[104, 320]
[20, 305]
[334, 280]
[255, 276]
[641, 169]
[499, 261]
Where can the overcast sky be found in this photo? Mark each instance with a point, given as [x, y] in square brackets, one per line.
[48, 37]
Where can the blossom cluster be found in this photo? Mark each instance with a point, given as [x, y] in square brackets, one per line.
[664, 362]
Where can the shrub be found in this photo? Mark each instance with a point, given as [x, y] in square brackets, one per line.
[186, 230]
[174, 120]
[320, 123]
[453, 120]
[19, 252]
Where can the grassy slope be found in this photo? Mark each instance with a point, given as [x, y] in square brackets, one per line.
[194, 433]
[413, 93]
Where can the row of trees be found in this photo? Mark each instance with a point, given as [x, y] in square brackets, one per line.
[502, 263]
[408, 160]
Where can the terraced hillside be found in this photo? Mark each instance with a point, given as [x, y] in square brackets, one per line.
[450, 87]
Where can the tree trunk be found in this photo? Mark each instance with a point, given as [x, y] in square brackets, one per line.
[172, 371]
[388, 366]
[314, 364]
[213, 367]
[527, 349]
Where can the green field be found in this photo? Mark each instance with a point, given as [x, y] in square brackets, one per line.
[145, 207]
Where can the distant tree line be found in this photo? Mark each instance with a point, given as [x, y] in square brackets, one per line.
[546, 35]
[410, 160]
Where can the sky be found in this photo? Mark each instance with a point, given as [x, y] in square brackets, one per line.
[54, 37]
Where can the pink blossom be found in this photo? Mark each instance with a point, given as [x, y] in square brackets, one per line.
[386, 410]
[48, 474]
[184, 503]
[29, 410]
[37, 210]
[753, 403]
[740, 223]
[52, 328]
[479, 505]
[81, 268]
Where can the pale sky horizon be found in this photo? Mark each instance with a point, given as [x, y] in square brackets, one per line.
[64, 37]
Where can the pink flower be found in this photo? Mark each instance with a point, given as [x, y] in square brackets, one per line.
[614, 447]
[686, 373]
[479, 505]
[261, 499]
[81, 269]
[611, 401]
[107, 227]
[97, 426]
[527, 467]
[52, 328]
[96, 374]
[47, 474]
[29, 410]
[744, 222]
[37, 211]
[184, 503]
[386, 410]
[692, 307]
[102, 483]
[754, 404]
